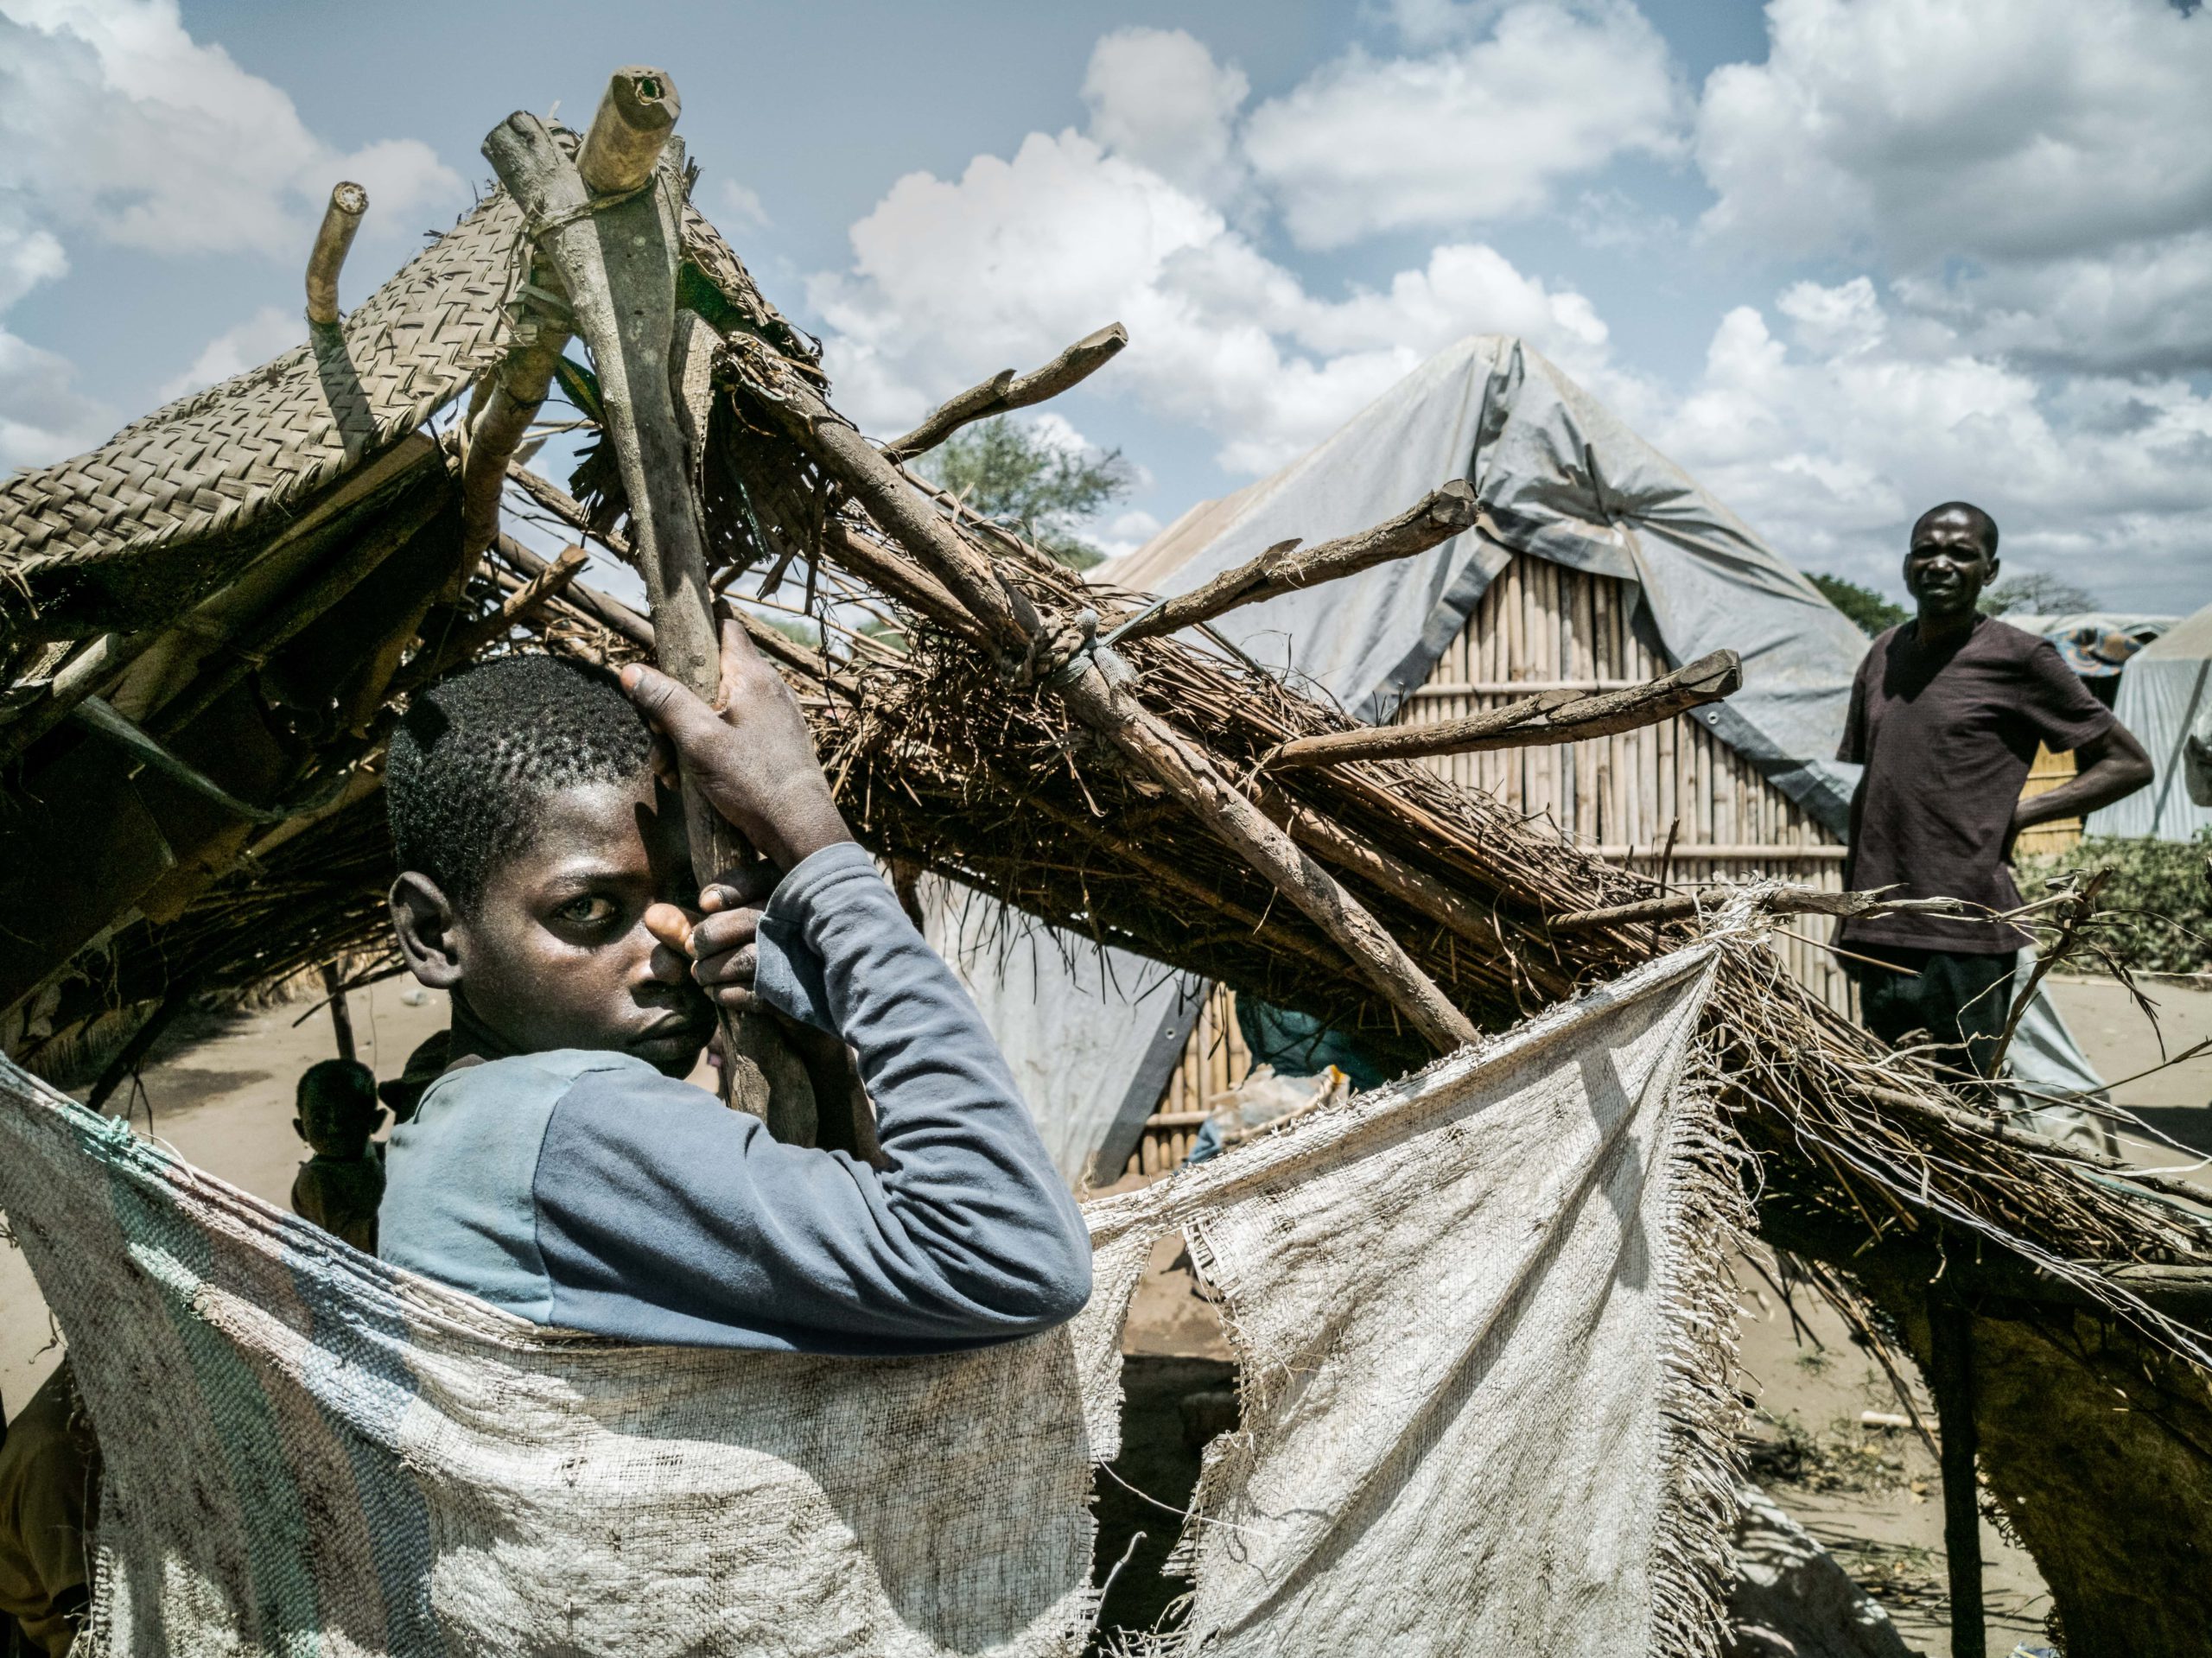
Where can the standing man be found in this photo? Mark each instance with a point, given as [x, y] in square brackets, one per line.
[1946, 714]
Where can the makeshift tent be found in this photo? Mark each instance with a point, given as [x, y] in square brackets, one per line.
[1595, 562]
[209, 623]
[2165, 698]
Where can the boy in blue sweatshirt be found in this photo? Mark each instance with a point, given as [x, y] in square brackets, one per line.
[559, 1166]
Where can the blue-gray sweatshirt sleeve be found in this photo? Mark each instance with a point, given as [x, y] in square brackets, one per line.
[664, 1217]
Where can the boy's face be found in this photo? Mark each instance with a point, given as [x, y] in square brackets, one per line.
[555, 952]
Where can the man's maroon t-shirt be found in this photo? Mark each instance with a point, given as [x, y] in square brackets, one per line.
[1947, 737]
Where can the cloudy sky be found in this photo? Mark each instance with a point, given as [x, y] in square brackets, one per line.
[1840, 258]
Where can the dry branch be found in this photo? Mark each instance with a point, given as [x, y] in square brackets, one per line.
[1015, 628]
[1436, 517]
[1550, 717]
[1005, 390]
[517, 391]
[340, 221]
[325, 585]
[610, 614]
[539, 590]
[1794, 900]
[1401, 880]
[636, 113]
[1191, 776]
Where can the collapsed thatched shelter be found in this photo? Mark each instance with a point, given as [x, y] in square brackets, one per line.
[210, 621]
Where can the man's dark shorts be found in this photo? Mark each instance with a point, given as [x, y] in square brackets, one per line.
[1963, 1001]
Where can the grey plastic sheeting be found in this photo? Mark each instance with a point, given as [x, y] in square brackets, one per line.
[2166, 696]
[1561, 477]
[1092, 1034]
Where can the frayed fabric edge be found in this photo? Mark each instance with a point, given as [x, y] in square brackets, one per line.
[1707, 1220]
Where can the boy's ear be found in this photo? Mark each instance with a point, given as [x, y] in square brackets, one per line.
[300, 1127]
[424, 920]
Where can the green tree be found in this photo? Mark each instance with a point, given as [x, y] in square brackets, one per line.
[1010, 471]
[2031, 593]
[1869, 611]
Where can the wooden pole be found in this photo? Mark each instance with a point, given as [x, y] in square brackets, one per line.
[1950, 1379]
[1188, 772]
[617, 261]
[517, 391]
[636, 113]
[619, 619]
[1436, 517]
[280, 623]
[341, 220]
[1005, 390]
[1401, 880]
[341, 1016]
[1801, 900]
[1551, 718]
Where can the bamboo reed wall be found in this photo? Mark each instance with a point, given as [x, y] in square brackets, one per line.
[1542, 626]
[2061, 834]
[1215, 1059]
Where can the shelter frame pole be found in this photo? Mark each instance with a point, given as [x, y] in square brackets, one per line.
[341, 1016]
[1951, 1378]
[617, 255]
[1093, 684]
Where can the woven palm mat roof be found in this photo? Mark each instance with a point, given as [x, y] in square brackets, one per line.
[178, 500]
[219, 465]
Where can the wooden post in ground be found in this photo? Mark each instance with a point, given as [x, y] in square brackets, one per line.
[341, 1016]
[615, 243]
[1951, 1378]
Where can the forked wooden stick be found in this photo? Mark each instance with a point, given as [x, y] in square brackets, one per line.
[1436, 517]
[1005, 390]
[1549, 717]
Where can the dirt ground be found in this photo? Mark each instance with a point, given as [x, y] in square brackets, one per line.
[221, 1094]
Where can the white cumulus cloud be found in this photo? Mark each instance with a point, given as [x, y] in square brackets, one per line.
[1832, 437]
[117, 127]
[114, 121]
[1158, 98]
[2040, 170]
[42, 416]
[952, 280]
[1474, 132]
[251, 343]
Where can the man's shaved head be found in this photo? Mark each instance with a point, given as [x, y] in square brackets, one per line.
[1985, 527]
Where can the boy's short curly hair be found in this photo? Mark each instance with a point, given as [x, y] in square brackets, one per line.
[479, 750]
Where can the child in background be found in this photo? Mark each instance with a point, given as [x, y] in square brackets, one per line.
[340, 1187]
[49, 1470]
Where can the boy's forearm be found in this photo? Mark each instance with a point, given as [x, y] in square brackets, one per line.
[962, 1163]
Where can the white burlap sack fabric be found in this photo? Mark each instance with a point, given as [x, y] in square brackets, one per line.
[1478, 1314]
